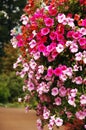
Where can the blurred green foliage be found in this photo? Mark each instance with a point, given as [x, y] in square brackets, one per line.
[10, 84]
[10, 88]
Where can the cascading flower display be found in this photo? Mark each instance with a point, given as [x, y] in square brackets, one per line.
[52, 60]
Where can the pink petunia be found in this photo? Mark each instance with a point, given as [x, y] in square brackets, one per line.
[58, 101]
[54, 91]
[83, 99]
[82, 42]
[62, 91]
[78, 56]
[49, 22]
[59, 48]
[41, 48]
[50, 72]
[52, 10]
[61, 18]
[80, 115]
[84, 22]
[76, 35]
[53, 35]
[58, 71]
[73, 47]
[58, 121]
[71, 101]
[45, 31]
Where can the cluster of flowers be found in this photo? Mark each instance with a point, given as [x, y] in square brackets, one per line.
[53, 63]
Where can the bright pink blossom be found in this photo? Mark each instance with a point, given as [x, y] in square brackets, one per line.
[53, 35]
[52, 10]
[49, 72]
[45, 31]
[84, 22]
[41, 48]
[49, 22]
[58, 71]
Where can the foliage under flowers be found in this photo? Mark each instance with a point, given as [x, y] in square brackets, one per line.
[52, 60]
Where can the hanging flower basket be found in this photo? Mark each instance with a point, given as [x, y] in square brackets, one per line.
[52, 60]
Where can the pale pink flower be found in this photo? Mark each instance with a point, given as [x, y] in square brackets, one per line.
[39, 124]
[58, 101]
[69, 114]
[69, 72]
[73, 47]
[75, 68]
[30, 86]
[40, 69]
[85, 126]
[36, 55]
[78, 80]
[70, 22]
[22, 74]
[84, 57]
[32, 44]
[26, 67]
[80, 115]
[19, 59]
[38, 76]
[68, 43]
[45, 31]
[15, 65]
[78, 56]
[58, 121]
[30, 74]
[84, 60]
[46, 113]
[82, 31]
[49, 22]
[19, 99]
[73, 92]
[83, 99]
[24, 88]
[24, 19]
[59, 48]
[52, 120]
[14, 42]
[63, 77]
[54, 91]
[32, 64]
[62, 91]
[71, 101]
[61, 18]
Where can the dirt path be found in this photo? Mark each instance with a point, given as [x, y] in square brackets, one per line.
[17, 119]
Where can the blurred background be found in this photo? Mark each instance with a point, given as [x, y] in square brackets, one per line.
[10, 84]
